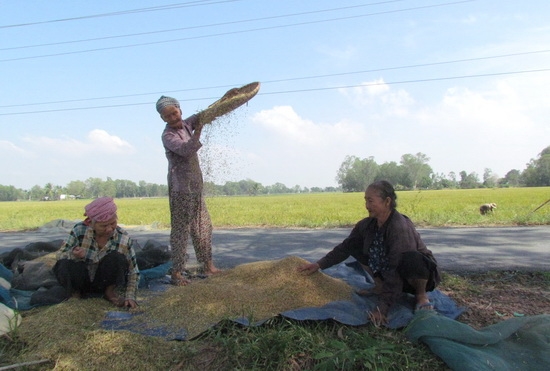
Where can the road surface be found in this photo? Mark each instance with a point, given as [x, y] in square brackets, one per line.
[456, 249]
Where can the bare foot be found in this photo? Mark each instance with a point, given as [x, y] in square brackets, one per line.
[118, 302]
[114, 299]
[111, 295]
[210, 269]
[178, 280]
[211, 272]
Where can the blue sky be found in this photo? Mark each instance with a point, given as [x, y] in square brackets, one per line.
[464, 82]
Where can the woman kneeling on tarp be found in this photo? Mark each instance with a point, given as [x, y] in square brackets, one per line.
[390, 249]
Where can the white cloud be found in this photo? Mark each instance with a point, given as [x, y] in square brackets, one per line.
[499, 125]
[471, 129]
[102, 141]
[294, 150]
[377, 94]
[497, 112]
[98, 142]
[49, 159]
[10, 148]
[284, 122]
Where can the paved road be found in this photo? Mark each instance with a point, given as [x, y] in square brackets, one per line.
[456, 249]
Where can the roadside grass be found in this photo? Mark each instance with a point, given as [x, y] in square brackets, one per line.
[432, 208]
[282, 344]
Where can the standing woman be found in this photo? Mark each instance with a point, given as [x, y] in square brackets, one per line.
[188, 212]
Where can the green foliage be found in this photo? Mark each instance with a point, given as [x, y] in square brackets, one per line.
[357, 351]
[281, 344]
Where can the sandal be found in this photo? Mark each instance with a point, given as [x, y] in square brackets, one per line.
[425, 306]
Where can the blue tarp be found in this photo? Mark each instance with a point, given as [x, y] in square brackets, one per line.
[352, 312]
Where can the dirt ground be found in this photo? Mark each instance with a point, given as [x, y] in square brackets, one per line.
[496, 296]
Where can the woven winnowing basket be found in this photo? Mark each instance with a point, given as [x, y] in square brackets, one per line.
[233, 99]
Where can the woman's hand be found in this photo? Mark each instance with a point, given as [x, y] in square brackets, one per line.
[79, 252]
[129, 303]
[309, 268]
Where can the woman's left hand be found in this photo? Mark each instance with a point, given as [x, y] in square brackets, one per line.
[309, 268]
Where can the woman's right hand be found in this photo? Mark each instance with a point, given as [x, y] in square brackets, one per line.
[79, 252]
[309, 268]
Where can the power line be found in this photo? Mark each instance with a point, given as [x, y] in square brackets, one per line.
[202, 26]
[297, 90]
[237, 32]
[290, 79]
[411, 81]
[124, 12]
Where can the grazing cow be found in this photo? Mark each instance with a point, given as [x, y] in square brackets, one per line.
[485, 208]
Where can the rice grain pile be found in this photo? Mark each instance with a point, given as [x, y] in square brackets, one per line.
[256, 291]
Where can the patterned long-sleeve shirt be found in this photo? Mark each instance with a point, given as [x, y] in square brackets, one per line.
[83, 236]
[184, 173]
[396, 236]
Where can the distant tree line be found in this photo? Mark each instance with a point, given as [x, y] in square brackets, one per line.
[90, 188]
[120, 188]
[354, 174]
[414, 172]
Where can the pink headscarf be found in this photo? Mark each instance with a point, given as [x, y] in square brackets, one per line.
[100, 210]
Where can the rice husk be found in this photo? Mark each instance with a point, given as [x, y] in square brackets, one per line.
[255, 291]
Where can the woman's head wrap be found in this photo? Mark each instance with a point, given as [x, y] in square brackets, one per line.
[165, 101]
[101, 209]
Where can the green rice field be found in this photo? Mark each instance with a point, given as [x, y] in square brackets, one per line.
[432, 208]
